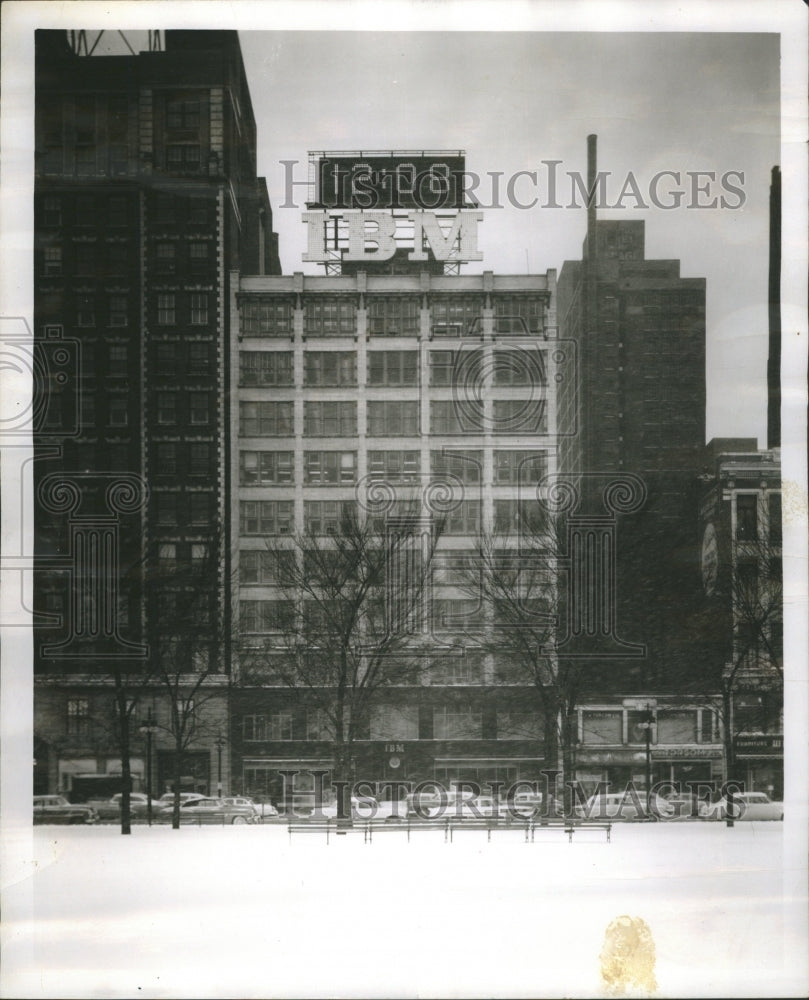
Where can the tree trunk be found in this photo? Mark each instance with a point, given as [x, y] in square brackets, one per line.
[178, 770]
[730, 743]
[126, 775]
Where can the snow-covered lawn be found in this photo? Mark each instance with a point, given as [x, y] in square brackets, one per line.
[242, 912]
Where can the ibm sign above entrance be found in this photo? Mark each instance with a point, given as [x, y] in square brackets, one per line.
[372, 206]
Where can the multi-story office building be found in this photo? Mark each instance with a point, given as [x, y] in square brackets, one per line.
[146, 198]
[743, 593]
[636, 416]
[344, 383]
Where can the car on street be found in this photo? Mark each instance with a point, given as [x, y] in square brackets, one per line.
[261, 810]
[138, 805]
[167, 799]
[57, 809]
[211, 810]
[619, 806]
[748, 806]
[686, 805]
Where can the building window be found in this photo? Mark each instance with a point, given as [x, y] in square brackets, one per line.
[266, 517]
[331, 368]
[265, 616]
[265, 368]
[85, 160]
[514, 467]
[455, 567]
[117, 214]
[118, 310]
[329, 317]
[166, 258]
[393, 418]
[116, 258]
[182, 115]
[198, 254]
[329, 468]
[518, 367]
[464, 519]
[462, 669]
[442, 366]
[167, 509]
[513, 515]
[256, 566]
[199, 211]
[167, 557]
[199, 508]
[397, 316]
[199, 459]
[329, 419]
[746, 517]
[327, 517]
[399, 466]
[166, 459]
[518, 315]
[53, 261]
[165, 210]
[266, 468]
[183, 157]
[78, 717]
[200, 408]
[199, 359]
[519, 726]
[456, 315]
[457, 722]
[261, 728]
[774, 501]
[394, 722]
[199, 308]
[85, 260]
[602, 727]
[447, 416]
[519, 416]
[467, 466]
[118, 359]
[167, 408]
[166, 310]
[271, 419]
[52, 212]
[166, 359]
[677, 727]
[85, 211]
[393, 368]
[85, 311]
[266, 317]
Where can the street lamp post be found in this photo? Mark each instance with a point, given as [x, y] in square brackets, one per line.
[219, 745]
[146, 729]
[648, 724]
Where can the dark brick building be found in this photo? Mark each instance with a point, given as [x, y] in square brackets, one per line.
[146, 197]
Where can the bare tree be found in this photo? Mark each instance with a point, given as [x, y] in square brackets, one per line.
[515, 575]
[349, 620]
[186, 647]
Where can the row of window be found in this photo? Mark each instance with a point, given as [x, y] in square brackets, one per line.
[195, 255]
[189, 407]
[391, 418]
[173, 308]
[325, 517]
[396, 315]
[86, 211]
[195, 458]
[338, 368]
[276, 468]
[171, 509]
[395, 722]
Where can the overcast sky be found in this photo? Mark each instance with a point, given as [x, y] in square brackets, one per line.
[669, 101]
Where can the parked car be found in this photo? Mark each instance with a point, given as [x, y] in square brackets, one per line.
[686, 805]
[210, 810]
[56, 809]
[260, 810]
[618, 806]
[167, 799]
[747, 806]
[138, 802]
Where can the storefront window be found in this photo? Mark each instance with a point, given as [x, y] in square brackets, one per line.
[602, 727]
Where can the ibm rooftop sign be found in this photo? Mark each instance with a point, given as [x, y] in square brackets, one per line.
[369, 205]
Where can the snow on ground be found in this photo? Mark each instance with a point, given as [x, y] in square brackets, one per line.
[244, 912]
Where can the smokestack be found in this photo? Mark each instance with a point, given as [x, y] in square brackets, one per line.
[774, 359]
[592, 168]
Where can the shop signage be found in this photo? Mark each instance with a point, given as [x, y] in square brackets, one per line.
[759, 746]
[688, 753]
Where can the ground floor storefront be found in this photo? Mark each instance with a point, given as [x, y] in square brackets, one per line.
[760, 763]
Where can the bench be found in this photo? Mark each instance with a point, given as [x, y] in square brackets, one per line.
[312, 826]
